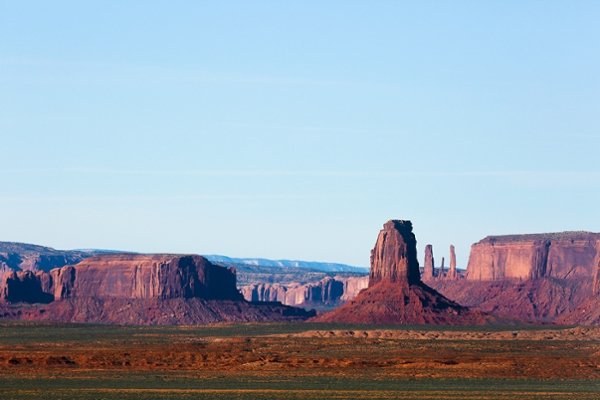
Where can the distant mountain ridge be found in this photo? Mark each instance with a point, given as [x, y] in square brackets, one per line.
[309, 265]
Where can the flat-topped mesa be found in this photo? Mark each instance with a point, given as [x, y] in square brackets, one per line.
[394, 257]
[136, 276]
[136, 289]
[452, 274]
[565, 255]
[125, 276]
[428, 269]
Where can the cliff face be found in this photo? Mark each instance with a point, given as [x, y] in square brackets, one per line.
[26, 286]
[557, 255]
[327, 292]
[146, 276]
[394, 257]
[127, 277]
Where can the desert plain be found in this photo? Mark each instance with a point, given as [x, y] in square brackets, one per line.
[297, 361]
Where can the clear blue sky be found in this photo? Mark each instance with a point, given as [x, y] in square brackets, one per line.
[296, 129]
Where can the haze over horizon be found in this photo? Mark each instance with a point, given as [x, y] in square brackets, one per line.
[294, 131]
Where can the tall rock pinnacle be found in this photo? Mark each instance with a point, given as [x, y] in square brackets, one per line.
[394, 257]
[428, 270]
[442, 273]
[452, 274]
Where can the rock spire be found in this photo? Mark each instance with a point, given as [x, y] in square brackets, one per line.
[394, 257]
[452, 274]
[429, 262]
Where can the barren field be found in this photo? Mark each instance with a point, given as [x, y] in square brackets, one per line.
[297, 361]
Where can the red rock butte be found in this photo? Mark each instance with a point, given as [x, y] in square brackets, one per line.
[394, 257]
[396, 294]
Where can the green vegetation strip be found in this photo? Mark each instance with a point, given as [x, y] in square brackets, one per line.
[164, 386]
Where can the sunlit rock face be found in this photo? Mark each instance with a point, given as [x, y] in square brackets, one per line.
[563, 255]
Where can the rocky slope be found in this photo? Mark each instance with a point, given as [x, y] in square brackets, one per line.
[134, 288]
[29, 257]
[395, 294]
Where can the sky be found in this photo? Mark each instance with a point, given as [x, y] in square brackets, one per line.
[296, 129]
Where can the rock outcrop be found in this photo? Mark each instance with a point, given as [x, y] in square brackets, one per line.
[326, 293]
[353, 286]
[429, 263]
[452, 273]
[134, 276]
[396, 294]
[394, 257]
[119, 288]
[557, 255]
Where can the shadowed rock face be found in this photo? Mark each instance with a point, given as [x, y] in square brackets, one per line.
[26, 286]
[429, 263]
[396, 294]
[394, 257]
[557, 255]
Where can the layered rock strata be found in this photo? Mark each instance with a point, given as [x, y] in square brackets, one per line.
[557, 255]
[326, 293]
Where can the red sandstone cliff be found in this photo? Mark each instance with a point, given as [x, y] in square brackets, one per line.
[557, 255]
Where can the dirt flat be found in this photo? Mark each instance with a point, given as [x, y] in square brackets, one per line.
[579, 333]
[297, 361]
